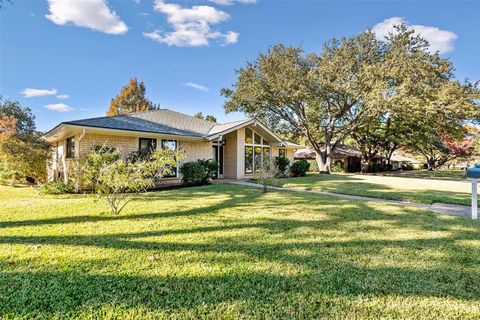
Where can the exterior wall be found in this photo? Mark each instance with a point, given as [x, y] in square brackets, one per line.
[62, 168]
[290, 153]
[195, 150]
[231, 153]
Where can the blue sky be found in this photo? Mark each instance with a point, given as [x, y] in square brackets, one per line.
[66, 60]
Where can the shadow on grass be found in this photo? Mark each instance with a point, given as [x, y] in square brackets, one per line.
[348, 184]
[327, 269]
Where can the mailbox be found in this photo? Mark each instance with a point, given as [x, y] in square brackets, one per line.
[474, 172]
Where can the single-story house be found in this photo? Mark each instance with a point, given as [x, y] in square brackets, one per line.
[239, 146]
[350, 157]
[398, 161]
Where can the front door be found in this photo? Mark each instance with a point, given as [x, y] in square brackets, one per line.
[218, 156]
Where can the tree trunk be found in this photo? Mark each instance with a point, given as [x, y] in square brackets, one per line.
[324, 159]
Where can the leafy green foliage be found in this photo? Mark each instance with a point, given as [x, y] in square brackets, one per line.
[281, 163]
[25, 120]
[299, 168]
[57, 187]
[25, 159]
[208, 117]
[198, 172]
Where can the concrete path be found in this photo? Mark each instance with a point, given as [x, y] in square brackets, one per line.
[442, 208]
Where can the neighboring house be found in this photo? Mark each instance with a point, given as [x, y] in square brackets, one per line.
[350, 157]
[398, 160]
[239, 146]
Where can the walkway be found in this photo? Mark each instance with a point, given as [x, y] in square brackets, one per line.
[442, 208]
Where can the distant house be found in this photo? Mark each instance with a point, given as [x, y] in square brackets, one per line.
[240, 147]
[398, 161]
[350, 157]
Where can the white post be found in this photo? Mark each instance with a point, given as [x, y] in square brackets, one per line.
[474, 199]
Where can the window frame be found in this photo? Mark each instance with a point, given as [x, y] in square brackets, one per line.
[70, 147]
[162, 145]
[284, 150]
[153, 145]
[264, 144]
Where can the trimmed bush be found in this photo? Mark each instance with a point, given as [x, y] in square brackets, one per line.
[299, 168]
[58, 187]
[198, 172]
[281, 163]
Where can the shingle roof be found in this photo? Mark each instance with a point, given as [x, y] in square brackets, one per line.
[156, 121]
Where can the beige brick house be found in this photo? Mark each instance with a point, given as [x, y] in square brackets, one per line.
[240, 147]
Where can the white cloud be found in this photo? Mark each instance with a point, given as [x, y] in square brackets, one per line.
[196, 86]
[92, 14]
[230, 2]
[60, 107]
[30, 92]
[63, 96]
[442, 41]
[191, 26]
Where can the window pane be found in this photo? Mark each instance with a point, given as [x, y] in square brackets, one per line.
[248, 159]
[258, 159]
[70, 147]
[265, 142]
[147, 145]
[169, 144]
[248, 135]
[266, 158]
[258, 139]
[282, 153]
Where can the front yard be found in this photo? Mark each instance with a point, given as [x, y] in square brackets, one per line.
[227, 251]
[422, 190]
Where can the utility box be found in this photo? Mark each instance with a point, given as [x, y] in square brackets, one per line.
[474, 172]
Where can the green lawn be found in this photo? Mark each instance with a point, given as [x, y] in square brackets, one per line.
[385, 187]
[439, 174]
[227, 251]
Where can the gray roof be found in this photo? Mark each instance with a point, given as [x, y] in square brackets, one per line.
[162, 121]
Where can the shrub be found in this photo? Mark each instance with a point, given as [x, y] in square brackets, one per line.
[198, 172]
[58, 187]
[120, 181]
[338, 166]
[211, 168]
[266, 175]
[281, 164]
[407, 166]
[313, 166]
[193, 173]
[299, 168]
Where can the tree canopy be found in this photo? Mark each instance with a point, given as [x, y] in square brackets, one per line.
[380, 93]
[131, 99]
[25, 120]
[208, 117]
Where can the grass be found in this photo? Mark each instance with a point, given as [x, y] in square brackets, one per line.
[385, 187]
[439, 174]
[230, 252]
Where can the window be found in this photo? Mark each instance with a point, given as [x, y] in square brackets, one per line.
[146, 146]
[257, 151]
[248, 135]
[248, 159]
[171, 145]
[71, 147]
[282, 153]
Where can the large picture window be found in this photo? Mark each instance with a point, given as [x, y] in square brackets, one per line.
[171, 145]
[71, 147]
[257, 151]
